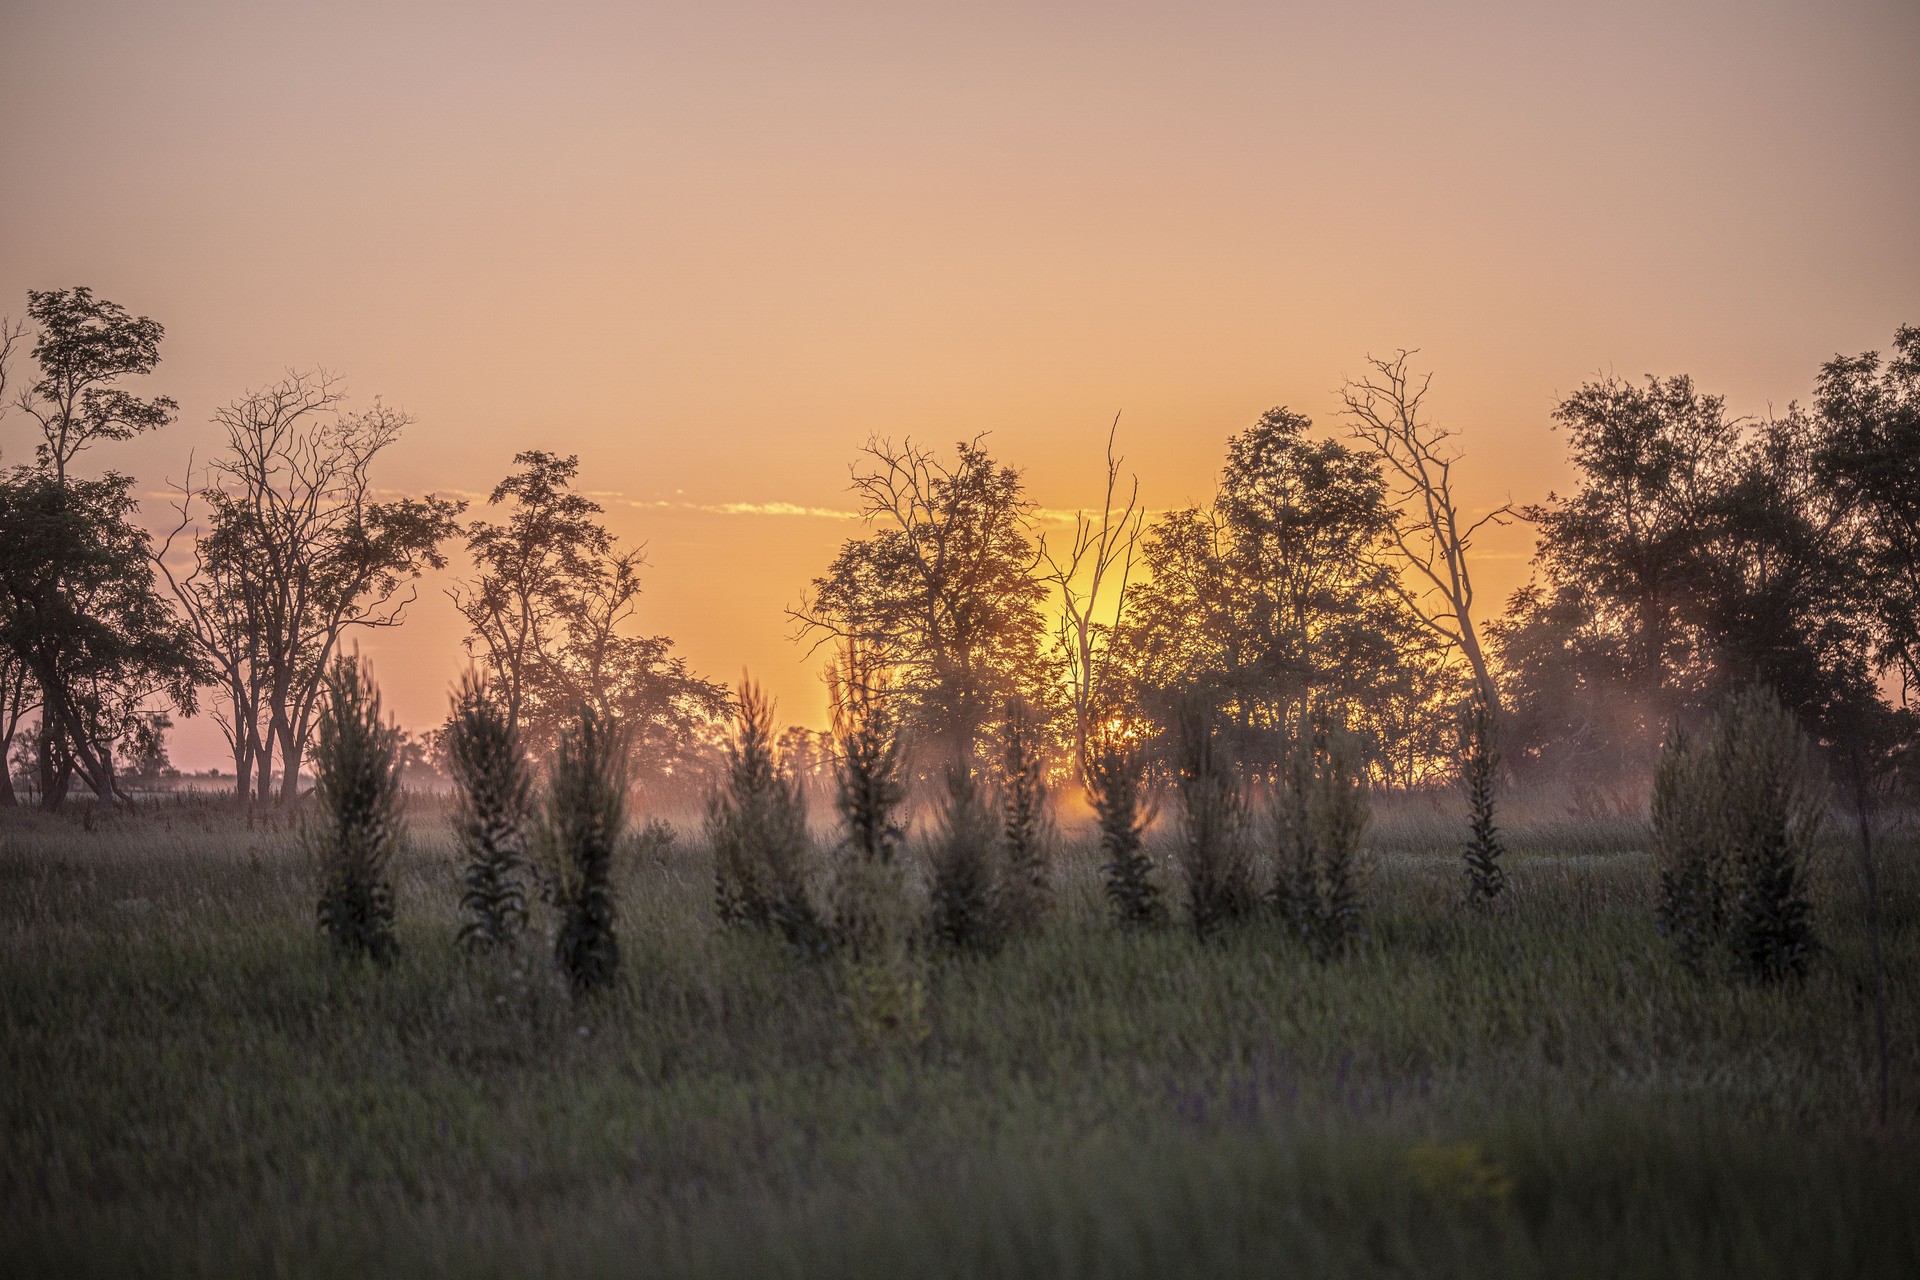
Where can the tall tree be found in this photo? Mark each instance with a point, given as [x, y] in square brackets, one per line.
[1385, 411]
[296, 552]
[548, 617]
[941, 594]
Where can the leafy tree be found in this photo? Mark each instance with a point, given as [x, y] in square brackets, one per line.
[547, 615]
[86, 345]
[940, 594]
[79, 613]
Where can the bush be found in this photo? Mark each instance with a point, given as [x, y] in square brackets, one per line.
[1320, 814]
[1479, 767]
[1026, 823]
[493, 804]
[1114, 770]
[586, 811]
[358, 825]
[757, 825]
[868, 895]
[965, 896]
[1213, 853]
[1734, 828]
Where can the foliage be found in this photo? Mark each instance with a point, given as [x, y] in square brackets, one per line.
[493, 805]
[547, 617]
[586, 814]
[358, 825]
[1115, 773]
[867, 891]
[1734, 826]
[1212, 852]
[1479, 770]
[78, 612]
[1320, 813]
[757, 826]
[85, 346]
[1027, 830]
[966, 892]
[940, 594]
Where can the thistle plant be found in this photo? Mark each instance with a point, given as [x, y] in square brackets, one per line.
[1479, 767]
[1114, 770]
[757, 826]
[964, 905]
[493, 805]
[1320, 815]
[1212, 852]
[586, 811]
[358, 824]
[1026, 822]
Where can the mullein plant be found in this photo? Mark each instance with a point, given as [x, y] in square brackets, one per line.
[1735, 823]
[964, 913]
[1319, 818]
[885, 994]
[585, 816]
[1026, 821]
[358, 824]
[1479, 771]
[757, 826]
[493, 805]
[1115, 772]
[1213, 853]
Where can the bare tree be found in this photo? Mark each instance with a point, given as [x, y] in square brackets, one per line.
[1384, 408]
[297, 552]
[1083, 576]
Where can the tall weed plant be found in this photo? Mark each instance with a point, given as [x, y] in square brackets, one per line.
[358, 824]
[493, 806]
[585, 818]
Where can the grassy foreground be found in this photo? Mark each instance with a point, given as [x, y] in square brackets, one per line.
[193, 1085]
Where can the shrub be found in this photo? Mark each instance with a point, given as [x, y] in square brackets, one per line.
[586, 811]
[358, 823]
[1114, 769]
[1320, 814]
[1734, 827]
[757, 826]
[1479, 766]
[867, 892]
[1026, 823]
[964, 912]
[1212, 852]
[493, 803]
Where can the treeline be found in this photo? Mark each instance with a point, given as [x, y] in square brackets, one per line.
[1329, 582]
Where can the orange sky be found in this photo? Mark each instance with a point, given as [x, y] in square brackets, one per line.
[711, 248]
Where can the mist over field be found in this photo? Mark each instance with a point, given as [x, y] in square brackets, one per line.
[1028, 641]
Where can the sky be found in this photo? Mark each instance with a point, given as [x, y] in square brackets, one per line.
[713, 248]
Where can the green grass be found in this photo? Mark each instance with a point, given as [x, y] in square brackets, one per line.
[193, 1085]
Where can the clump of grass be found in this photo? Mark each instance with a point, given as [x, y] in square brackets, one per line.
[359, 824]
[586, 812]
[1479, 768]
[757, 825]
[965, 895]
[1320, 814]
[1212, 850]
[1026, 821]
[1734, 828]
[1114, 771]
[493, 803]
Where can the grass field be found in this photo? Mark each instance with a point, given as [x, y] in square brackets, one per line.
[194, 1085]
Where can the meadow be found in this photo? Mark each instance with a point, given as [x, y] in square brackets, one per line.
[193, 1085]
